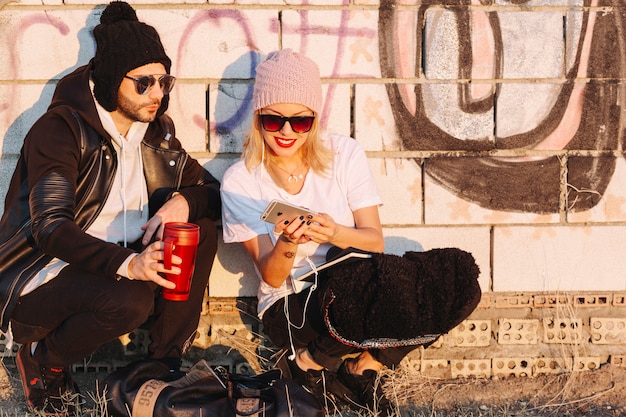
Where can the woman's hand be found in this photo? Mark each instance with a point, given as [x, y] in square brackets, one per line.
[294, 231]
[321, 228]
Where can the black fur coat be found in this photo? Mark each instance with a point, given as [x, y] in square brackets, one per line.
[389, 300]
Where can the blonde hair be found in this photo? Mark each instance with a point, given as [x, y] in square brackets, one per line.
[314, 153]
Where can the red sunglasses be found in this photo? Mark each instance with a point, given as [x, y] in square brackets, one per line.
[274, 123]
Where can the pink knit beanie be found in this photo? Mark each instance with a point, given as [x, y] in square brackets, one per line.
[287, 77]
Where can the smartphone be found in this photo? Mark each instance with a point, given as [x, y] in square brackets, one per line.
[280, 211]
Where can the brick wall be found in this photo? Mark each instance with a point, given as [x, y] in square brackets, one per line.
[496, 127]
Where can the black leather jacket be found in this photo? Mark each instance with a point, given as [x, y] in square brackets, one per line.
[64, 175]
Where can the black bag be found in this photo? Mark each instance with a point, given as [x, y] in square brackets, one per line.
[147, 388]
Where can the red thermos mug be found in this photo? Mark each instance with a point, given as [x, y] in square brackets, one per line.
[181, 239]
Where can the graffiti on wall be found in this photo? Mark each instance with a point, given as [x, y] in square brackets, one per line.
[578, 111]
[476, 87]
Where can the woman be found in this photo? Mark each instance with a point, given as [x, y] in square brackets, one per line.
[287, 158]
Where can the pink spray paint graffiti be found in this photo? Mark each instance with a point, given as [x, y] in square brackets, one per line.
[11, 43]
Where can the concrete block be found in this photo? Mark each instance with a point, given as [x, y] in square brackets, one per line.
[343, 43]
[337, 108]
[411, 366]
[215, 44]
[480, 368]
[591, 300]
[439, 368]
[508, 366]
[187, 108]
[558, 259]
[399, 185]
[619, 300]
[587, 363]
[607, 330]
[471, 333]
[485, 301]
[135, 342]
[21, 106]
[5, 351]
[475, 240]
[562, 330]
[87, 366]
[374, 122]
[513, 301]
[518, 331]
[443, 207]
[611, 206]
[543, 366]
[68, 42]
[551, 300]
[618, 360]
[230, 115]
[233, 273]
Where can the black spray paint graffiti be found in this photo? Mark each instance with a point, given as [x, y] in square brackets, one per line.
[583, 121]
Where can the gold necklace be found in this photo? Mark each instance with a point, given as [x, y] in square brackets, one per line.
[292, 175]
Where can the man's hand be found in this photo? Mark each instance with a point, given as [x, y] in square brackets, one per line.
[176, 209]
[147, 265]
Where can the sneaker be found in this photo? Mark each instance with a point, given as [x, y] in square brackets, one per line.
[48, 391]
[366, 390]
[311, 380]
[323, 384]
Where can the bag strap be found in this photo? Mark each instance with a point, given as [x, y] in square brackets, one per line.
[148, 393]
[247, 394]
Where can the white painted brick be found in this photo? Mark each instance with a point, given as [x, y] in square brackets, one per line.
[68, 43]
[336, 108]
[215, 43]
[399, 183]
[344, 44]
[374, 122]
[230, 116]
[233, 272]
[470, 239]
[612, 205]
[187, 107]
[23, 104]
[559, 258]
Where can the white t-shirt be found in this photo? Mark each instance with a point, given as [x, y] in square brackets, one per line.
[346, 187]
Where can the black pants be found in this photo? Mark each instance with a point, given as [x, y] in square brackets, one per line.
[75, 313]
[312, 333]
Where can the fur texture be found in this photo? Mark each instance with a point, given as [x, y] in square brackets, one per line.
[401, 298]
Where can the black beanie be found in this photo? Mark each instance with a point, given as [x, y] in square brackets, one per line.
[123, 43]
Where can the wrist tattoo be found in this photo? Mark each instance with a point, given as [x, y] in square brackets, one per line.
[286, 239]
[289, 254]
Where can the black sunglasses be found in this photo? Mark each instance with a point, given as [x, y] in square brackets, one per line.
[274, 123]
[145, 83]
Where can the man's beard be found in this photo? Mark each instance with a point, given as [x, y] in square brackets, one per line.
[133, 111]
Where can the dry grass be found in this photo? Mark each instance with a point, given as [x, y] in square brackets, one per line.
[590, 393]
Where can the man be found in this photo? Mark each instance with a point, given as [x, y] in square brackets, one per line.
[99, 175]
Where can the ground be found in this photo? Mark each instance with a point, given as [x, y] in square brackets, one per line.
[597, 393]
